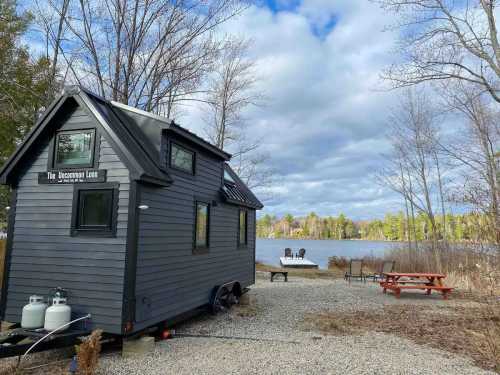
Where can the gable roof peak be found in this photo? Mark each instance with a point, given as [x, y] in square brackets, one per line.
[71, 90]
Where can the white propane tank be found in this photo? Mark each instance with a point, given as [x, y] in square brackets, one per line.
[58, 314]
[33, 313]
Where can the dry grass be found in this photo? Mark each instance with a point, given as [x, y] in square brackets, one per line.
[305, 273]
[10, 369]
[247, 308]
[370, 264]
[473, 332]
[467, 266]
[87, 353]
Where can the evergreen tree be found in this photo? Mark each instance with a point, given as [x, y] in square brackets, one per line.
[23, 86]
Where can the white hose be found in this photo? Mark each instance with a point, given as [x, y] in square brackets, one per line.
[88, 316]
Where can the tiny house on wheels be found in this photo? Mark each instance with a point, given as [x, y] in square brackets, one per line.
[138, 219]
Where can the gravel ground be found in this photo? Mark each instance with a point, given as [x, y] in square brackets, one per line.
[275, 342]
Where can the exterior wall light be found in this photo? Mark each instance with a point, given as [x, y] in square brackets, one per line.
[143, 207]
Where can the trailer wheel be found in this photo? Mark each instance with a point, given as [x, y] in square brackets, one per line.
[232, 299]
[217, 304]
[224, 296]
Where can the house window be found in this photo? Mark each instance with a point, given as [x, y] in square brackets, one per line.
[202, 225]
[228, 177]
[242, 235]
[95, 210]
[74, 149]
[181, 158]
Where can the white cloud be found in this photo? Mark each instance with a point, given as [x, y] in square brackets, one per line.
[325, 121]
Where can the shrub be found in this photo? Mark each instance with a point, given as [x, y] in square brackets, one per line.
[87, 353]
[338, 262]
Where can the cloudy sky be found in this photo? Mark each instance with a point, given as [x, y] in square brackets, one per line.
[324, 121]
[324, 124]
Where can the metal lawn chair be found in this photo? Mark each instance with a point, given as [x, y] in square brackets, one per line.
[355, 270]
[302, 252]
[288, 253]
[387, 266]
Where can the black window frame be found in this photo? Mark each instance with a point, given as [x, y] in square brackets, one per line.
[54, 164]
[201, 249]
[76, 230]
[173, 144]
[244, 244]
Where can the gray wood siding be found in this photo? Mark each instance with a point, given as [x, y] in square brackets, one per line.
[169, 275]
[44, 255]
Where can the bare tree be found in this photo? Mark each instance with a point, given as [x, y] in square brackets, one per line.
[150, 54]
[446, 39]
[231, 90]
[252, 169]
[473, 149]
[54, 30]
[411, 170]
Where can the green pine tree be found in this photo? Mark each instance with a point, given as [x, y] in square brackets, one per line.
[23, 86]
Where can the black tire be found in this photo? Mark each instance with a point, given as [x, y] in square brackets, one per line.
[233, 299]
[219, 304]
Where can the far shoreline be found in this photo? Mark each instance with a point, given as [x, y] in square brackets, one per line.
[326, 239]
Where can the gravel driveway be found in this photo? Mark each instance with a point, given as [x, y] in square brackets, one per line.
[275, 342]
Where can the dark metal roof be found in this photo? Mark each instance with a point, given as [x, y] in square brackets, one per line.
[145, 163]
[237, 192]
[152, 125]
[134, 134]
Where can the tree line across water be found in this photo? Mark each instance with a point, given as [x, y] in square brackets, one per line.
[393, 227]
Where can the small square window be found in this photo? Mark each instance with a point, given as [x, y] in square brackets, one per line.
[202, 225]
[94, 211]
[181, 158]
[242, 228]
[74, 149]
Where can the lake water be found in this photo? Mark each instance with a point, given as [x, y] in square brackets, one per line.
[268, 251]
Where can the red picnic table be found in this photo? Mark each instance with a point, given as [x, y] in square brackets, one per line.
[423, 281]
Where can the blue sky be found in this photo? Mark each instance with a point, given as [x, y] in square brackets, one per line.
[325, 122]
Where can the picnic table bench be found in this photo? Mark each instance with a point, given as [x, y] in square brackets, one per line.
[277, 272]
[422, 281]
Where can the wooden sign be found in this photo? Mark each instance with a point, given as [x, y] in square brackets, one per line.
[72, 176]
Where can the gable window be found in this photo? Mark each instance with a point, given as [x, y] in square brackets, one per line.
[94, 210]
[202, 225]
[74, 149]
[242, 228]
[181, 158]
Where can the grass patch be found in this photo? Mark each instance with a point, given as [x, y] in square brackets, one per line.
[472, 332]
[333, 273]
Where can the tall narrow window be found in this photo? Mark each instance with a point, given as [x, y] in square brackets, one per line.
[181, 158]
[202, 226]
[74, 149]
[242, 237]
